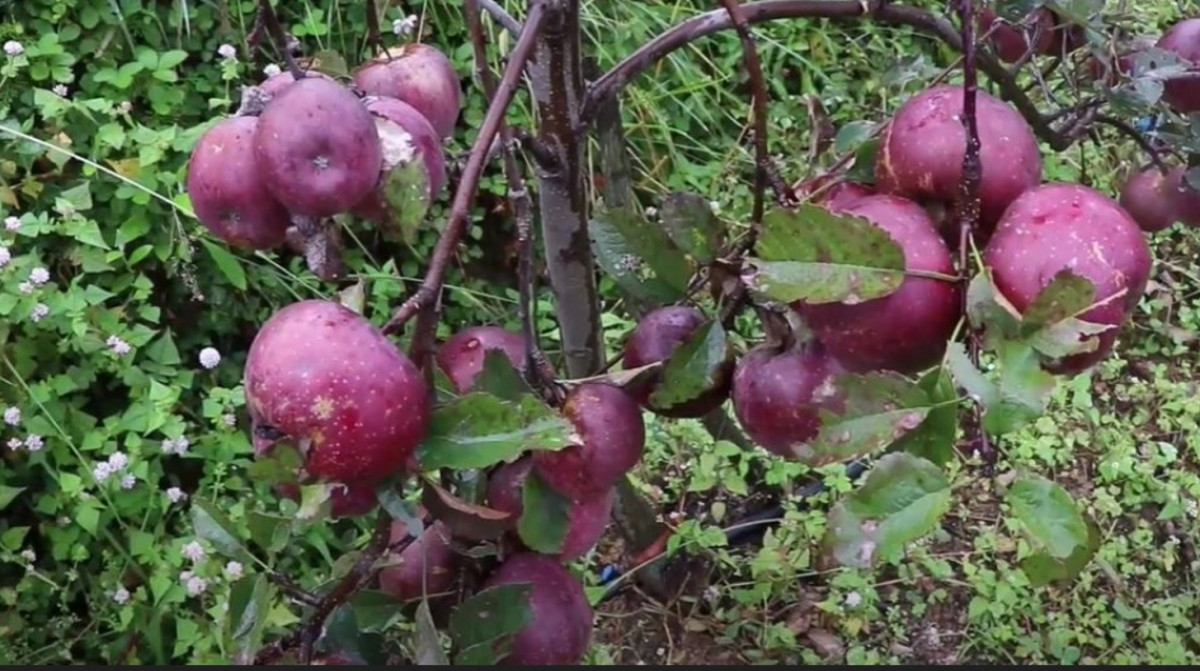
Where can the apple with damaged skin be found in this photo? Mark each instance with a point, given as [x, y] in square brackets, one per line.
[318, 148]
[655, 338]
[1183, 40]
[921, 154]
[907, 330]
[586, 522]
[1061, 226]
[779, 392]
[560, 629]
[419, 75]
[405, 136]
[227, 191]
[426, 567]
[322, 376]
[462, 356]
[611, 437]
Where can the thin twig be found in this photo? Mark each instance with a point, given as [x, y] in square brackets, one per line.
[502, 17]
[275, 29]
[1154, 153]
[374, 34]
[464, 195]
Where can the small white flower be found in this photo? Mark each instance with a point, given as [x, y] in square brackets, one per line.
[404, 26]
[101, 471]
[25, 287]
[227, 51]
[715, 205]
[230, 419]
[118, 461]
[12, 415]
[39, 312]
[34, 443]
[11, 223]
[176, 494]
[128, 481]
[271, 70]
[39, 276]
[181, 446]
[853, 599]
[5, 256]
[15, 443]
[233, 570]
[168, 446]
[13, 48]
[117, 345]
[196, 586]
[121, 596]
[60, 90]
[210, 357]
[125, 107]
[185, 576]
[193, 551]
[29, 555]
[651, 212]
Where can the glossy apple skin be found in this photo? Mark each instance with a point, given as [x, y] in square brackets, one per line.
[462, 356]
[1183, 39]
[421, 76]
[426, 567]
[561, 627]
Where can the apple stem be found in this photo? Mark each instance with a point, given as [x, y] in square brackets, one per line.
[374, 34]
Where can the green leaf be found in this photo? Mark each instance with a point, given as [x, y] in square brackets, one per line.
[640, 257]
[852, 135]
[902, 500]
[315, 501]
[211, 524]
[249, 604]
[500, 378]
[1050, 517]
[819, 257]
[7, 494]
[406, 198]
[693, 368]
[428, 646]
[479, 430]
[465, 520]
[269, 532]
[1021, 394]
[1066, 295]
[934, 438]
[863, 169]
[482, 627]
[880, 408]
[227, 263]
[545, 517]
[401, 510]
[1042, 568]
[375, 611]
[331, 63]
[692, 225]
[354, 296]
[279, 465]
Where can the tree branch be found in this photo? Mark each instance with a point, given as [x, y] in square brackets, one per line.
[460, 209]
[715, 21]
[502, 17]
[267, 19]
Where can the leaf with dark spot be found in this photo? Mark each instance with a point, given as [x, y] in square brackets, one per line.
[903, 499]
[406, 200]
[465, 520]
[480, 430]
[689, 220]
[881, 408]
[819, 257]
[545, 516]
[483, 626]
[693, 367]
[329, 62]
[639, 256]
[1066, 295]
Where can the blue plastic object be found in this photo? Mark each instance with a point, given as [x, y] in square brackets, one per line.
[609, 573]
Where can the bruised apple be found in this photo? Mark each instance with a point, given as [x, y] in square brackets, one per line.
[318, 148]
[426, 567]
[227, 190]
[779, 392]
[611, 436]
[323, 377]
[906, 331]
[461, 357]
[560, 629]
[405, 136]
[421, 76]
[1061, 226]
[655, 338]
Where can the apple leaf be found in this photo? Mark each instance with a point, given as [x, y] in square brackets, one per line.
[479, 430]
[880, 408]
[329, 62]
[693, 367]
[863, 169]
[344, 635]
[227, 263]
[428, 646]
[1066, 295]
[249, 605]
[376, 611]
[1020, 395]
[315, 501]
[934, 438]
[465, 520]
[500, 378]
[354, 296]
[1042, 568]
[1051, 519]
[545, 516]
[212, 525]
[483, 626]
[988, 310]
[405, 195]
[689, 220]
[819, 257]
[902, 499]
[279, 465]
[852, 135]
[269, 532]
[400, 510]
[639, 256]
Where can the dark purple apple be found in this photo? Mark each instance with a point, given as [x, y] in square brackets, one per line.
[1061, 226]
[318, 148]
[1010, 41]
[275, 84]
[461, 356]
[1183, 39]
[611, 434]
[323, 376]
[779, 392]
[227, 190]
[908, 330]
[421, 76]
[561, 627]
[921, 153]
[427, 566]
[587, 519]
[1150, 197]
[844, 194]
[406, 136]
[655, 338]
